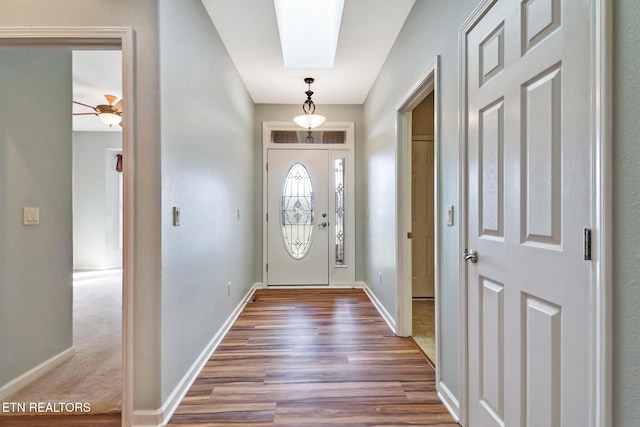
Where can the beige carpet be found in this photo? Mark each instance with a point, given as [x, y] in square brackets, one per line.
[93, 374]
[424, 326]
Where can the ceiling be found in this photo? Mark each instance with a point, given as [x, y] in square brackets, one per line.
[248, 29]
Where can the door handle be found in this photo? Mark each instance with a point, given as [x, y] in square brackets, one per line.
[471, 255]
[323, 224]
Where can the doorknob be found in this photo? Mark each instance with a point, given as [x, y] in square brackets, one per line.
[471, 255]
[323, 224]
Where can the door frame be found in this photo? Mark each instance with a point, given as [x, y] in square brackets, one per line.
[429, 81]
[88, 38]
[601, 185]
[345, 277]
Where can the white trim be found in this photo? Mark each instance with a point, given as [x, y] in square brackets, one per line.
[378, 305]
[602, 215]
[162, 416]
[35, 373]
[601, 46]
[80, 276]
[147, 418]
[335, 286]
[449, 400]
[121, 38]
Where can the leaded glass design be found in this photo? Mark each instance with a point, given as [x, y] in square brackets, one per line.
[339, 165]
[297, 211]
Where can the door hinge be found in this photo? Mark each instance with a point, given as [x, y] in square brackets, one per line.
[587, 244]
[410, 235]
[266, 166]
[266, 216]
[267, 267]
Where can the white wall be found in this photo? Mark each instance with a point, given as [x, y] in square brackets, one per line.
[35, 171]
[96, 213]
[208, 172]
[626, 209]
[141, 16]
[333, 113]
[430, 30]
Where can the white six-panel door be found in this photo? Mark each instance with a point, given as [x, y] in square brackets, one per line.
[529, 165]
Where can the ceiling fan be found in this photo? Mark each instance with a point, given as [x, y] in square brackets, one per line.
[109, 114]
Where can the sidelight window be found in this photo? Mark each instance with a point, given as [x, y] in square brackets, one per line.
[339, 170]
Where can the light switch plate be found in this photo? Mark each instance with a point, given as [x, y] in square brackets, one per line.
[176, 216]
[450, 215]
[30, 216]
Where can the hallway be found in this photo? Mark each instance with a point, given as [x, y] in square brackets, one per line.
[313, 357]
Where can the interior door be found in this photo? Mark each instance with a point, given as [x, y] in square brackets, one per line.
[422, 220]
[529, 200]
[298, 217]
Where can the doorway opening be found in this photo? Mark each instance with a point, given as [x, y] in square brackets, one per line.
[56, 212]
[426, 86]
[423, 326]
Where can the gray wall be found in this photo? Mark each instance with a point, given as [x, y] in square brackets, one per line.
[35, 171]
[430, 30]
[626, 206]
[96, 213]
[333, 113]
[208, 172]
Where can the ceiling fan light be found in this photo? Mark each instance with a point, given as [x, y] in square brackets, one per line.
[309, 121]
[110, 118]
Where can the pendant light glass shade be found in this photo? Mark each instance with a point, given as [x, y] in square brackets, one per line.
[309, 121]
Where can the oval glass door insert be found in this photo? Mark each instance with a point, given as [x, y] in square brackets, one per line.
[297, 211]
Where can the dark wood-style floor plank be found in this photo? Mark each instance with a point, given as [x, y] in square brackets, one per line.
[111, 420]
[312, 357]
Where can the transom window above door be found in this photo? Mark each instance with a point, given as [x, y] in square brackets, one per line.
[308, 137]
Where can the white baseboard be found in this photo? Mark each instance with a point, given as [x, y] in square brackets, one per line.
[80, 275]
[33, 374]
[449, 400]
[160, 417]
[148, 418]
[376, 302]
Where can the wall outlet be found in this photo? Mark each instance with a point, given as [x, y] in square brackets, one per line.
[450, 215]
[380, 279]
[229, 289]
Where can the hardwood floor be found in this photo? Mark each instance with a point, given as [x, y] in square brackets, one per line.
[61, 421]
[310, 358]
[424, 327]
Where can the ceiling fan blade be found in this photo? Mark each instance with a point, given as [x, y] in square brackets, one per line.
[110, 98]
[118, 106]
[85, 105]
[84, 114]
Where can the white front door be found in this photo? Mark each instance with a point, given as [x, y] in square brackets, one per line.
[298, 217]
[528, 202]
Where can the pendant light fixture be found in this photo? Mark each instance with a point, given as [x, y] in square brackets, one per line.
[309, 119]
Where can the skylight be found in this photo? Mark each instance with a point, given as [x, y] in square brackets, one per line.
[309, 31]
